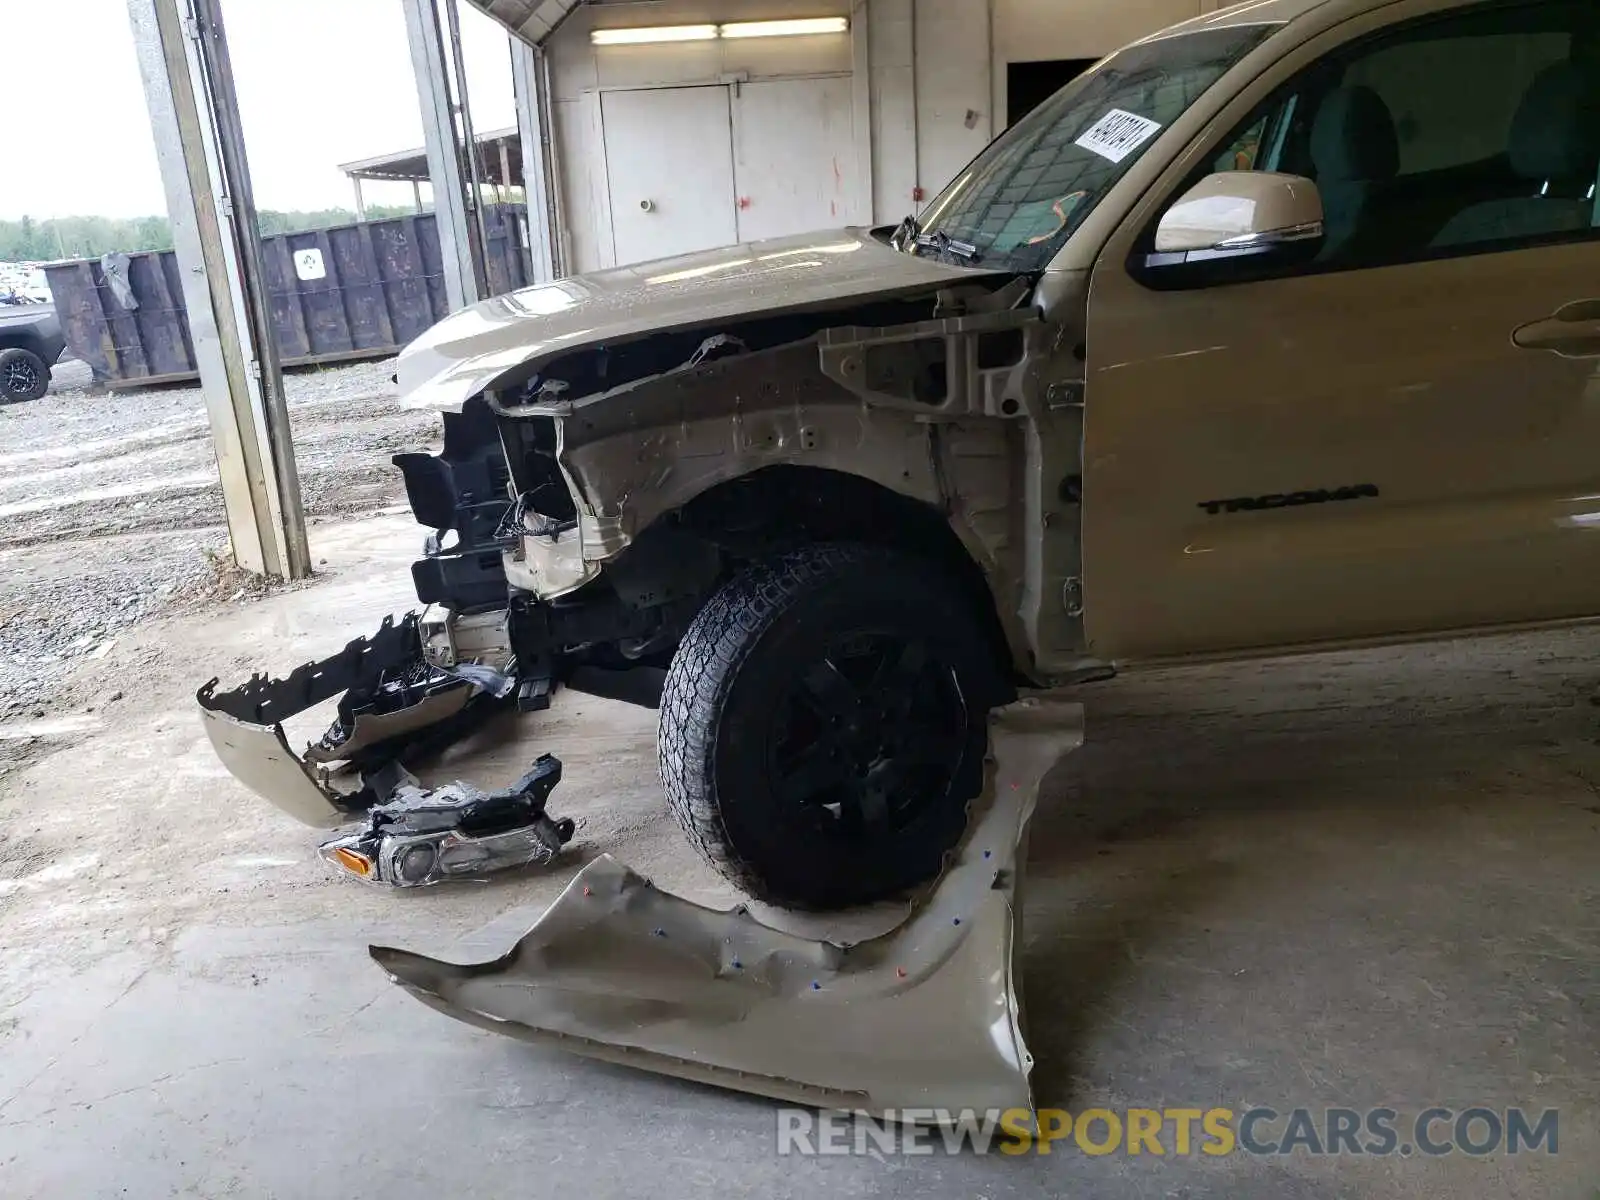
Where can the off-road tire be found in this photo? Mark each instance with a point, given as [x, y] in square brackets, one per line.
[742, 650]
[16, 363]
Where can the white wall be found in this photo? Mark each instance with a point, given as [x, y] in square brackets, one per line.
[894, 122]
[953, 88]
[961, 51]
[578, 70]
[937, 75]
[1044, 30]
[1039, 30]
[930, 68]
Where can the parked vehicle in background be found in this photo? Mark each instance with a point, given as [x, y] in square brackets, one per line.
[23, 283]
[30, 344]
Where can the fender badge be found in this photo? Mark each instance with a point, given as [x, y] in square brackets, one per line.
[1360, 491]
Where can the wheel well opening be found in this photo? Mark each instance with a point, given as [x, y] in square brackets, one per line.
[781, 507]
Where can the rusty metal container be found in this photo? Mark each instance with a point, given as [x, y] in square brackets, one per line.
[353, 291]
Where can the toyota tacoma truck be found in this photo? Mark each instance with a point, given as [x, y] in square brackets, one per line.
[1274, 332]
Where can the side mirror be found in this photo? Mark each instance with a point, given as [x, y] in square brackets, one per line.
[1240, 214]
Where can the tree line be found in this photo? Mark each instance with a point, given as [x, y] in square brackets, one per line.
[28, 240]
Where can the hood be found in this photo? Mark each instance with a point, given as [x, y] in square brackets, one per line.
[472, 349]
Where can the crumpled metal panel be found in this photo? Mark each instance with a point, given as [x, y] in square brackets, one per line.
[928, 1015]
[531, 20]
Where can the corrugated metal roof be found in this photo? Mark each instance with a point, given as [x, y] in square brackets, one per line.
[531, 20]
[407, 165]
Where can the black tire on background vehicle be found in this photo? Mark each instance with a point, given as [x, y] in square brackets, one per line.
[824, 725]
[23, 375]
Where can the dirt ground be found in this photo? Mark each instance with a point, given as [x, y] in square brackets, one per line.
[111, 512]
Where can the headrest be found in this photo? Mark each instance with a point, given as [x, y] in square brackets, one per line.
[1353, 137]
[1556, 133]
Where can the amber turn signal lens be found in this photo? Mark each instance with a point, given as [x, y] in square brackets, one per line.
[356, 864]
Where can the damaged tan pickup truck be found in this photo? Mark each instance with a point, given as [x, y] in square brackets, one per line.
[1272, 332]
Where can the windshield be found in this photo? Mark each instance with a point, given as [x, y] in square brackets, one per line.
[1019, 200]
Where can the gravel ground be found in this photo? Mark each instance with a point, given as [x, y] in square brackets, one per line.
[113, 511]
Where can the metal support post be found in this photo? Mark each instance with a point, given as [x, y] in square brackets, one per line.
[194, 115]
[459, 236]
[528, 70]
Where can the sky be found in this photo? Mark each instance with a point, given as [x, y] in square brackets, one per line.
[320, 82]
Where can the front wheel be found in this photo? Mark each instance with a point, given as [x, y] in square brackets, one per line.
[23, 375]
[824, 725]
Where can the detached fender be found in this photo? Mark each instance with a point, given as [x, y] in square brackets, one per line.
[926, 1016]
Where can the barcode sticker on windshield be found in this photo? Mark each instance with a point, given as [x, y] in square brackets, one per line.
[1118, 134]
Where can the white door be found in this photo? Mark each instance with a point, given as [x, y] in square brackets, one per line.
[671, 171]
[794, 156]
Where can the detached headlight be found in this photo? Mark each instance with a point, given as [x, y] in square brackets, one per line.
[420, 837]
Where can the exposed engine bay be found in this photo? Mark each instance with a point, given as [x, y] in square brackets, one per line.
[582, 511]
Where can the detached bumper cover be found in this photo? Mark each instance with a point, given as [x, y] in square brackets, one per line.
[392, 704]
[259, 757]
[928, 1015]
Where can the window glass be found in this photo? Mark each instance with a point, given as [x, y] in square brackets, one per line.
[1455, 135]
[1022, 197]
[1244, 152]
[1453, 97]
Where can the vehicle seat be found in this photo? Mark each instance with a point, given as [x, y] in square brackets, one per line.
[1356, 150]
[1555, 144]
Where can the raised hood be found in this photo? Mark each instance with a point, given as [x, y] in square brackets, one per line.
[469, 351]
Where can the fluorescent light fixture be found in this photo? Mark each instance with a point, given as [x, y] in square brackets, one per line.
[653, 33]
[648, 34]
[754, 29]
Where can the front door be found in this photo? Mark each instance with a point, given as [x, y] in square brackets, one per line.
[669, 162]
[1404, 436]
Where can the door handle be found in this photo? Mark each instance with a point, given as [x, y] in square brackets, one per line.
[1572, 331]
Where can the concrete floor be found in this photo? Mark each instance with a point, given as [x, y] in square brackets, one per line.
[1353, 880]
